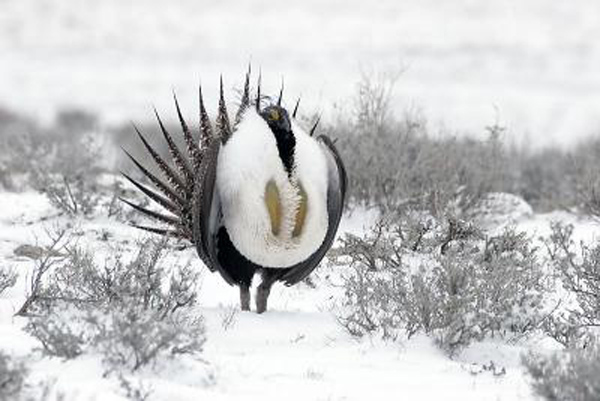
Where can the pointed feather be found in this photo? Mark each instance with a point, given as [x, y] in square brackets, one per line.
[172, 178]
[160, 231]
[180, 162]
[192, 146]
[280, 94]
[161, 186]
[161, 200]
[223, 126]
[245, 102]
[296, 108]
[258, 98]
[206, 133]
[155, 215]
[312, 131]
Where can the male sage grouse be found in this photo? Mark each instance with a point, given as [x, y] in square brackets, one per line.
[259, 195]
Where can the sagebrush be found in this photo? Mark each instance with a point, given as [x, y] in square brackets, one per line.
[12, 377]
[132, 312]
[444, 278]
[571, 375]
[8, 278]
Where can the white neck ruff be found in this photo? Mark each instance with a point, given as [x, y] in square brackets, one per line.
[247, 162]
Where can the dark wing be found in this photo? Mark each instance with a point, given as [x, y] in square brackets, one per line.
[336, 196]
[207, 211]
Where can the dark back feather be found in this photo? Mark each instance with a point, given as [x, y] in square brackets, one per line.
[223, 126]
[244, 102]
[191, 144]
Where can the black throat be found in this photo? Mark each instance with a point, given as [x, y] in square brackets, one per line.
[279, 122]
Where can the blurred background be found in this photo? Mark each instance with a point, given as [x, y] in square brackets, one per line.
[531, 65]
[433, 102]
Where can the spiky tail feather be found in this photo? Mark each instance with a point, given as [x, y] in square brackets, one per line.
[176, 190]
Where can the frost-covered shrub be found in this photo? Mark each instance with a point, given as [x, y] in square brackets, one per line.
[132, 312]
[61, 161]
[545, 179]
[400, 163]
[586, 177]
[12, 377]
[74, 194]
[396, 160]
[578, 267]
[68, 174]
[143, 280]
[132, 337]
[45, 259]
[8, 278]
[571, 375]
[418, 274]
[60, 332]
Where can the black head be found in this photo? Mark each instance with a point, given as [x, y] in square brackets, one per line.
[278, 120]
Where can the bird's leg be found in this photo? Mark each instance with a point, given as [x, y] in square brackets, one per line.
[245, 297]
[263, 291]
[262, 295]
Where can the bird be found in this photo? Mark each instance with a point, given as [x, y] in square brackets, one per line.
[255, 195]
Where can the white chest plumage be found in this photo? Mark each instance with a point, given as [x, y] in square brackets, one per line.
[247, 163]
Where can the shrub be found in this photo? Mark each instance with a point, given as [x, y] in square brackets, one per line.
[396, 160]
[133, 337]
[46, 259]
[579, 270]
[61, 161]
[133, 313]
[443, 278]
[68, 173]
[586, 177]
[60, 332]
[73, 194]
[8, 278]
[12, 377]
[571, 375]
[399, 163]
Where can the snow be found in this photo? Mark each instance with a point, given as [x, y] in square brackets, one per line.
[497, 210]
[530, 65]
[296, 350]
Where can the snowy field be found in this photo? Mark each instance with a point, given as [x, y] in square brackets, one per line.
[295, 351]
[531, 65]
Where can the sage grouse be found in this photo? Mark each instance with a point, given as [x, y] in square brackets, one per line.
[259, 195]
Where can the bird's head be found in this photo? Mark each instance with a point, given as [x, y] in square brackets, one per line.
[277, 118]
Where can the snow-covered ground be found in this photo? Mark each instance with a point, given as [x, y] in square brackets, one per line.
[529, 64]
[296, 351]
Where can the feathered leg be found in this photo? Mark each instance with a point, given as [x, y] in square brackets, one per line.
[245, 297]
[262, 296]
[269, 276]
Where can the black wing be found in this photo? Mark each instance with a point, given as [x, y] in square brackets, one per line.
[336, 196]
[207, 212]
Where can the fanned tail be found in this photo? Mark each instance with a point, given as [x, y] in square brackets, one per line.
[174, 192]
[175, 189]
